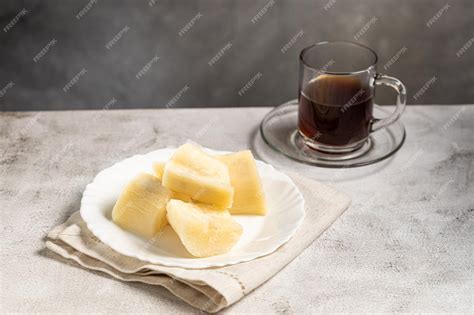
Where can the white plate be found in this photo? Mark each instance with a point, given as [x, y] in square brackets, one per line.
[261, 236]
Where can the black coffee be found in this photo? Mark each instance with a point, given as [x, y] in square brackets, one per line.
[335, 110]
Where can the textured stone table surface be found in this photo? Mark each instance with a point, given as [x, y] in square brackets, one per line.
[405, 244]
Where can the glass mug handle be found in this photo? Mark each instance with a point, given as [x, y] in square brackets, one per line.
[397, 85]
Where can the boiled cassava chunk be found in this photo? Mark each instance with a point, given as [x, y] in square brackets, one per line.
[249, 197]
[194, 173]
[203, 230]
[158, 168]
[141, 208]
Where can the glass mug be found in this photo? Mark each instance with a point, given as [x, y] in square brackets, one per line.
[335, 98]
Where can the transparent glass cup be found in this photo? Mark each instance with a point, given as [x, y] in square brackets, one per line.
[335, 99]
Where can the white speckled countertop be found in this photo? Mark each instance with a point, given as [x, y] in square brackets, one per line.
[404, 245]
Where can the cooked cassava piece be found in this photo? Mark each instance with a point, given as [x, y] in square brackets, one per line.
[203, 230]
[249, 197]
[158, 168]
[141, 208]
[194, 173]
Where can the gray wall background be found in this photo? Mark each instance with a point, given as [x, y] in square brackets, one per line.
[256, 47]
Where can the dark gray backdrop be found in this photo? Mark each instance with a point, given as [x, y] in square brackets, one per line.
[151, 28]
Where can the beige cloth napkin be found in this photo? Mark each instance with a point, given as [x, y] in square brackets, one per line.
[208, 289]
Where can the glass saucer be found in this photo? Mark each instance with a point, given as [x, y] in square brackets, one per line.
[279, 131]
